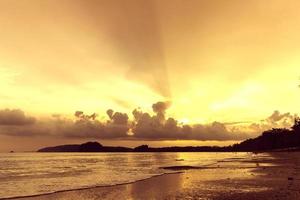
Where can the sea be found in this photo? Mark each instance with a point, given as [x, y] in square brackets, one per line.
[26, 174]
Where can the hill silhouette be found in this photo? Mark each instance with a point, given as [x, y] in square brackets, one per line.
[85, 147]
[270, 140]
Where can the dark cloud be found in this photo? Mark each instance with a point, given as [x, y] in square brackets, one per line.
[84, 126]
[143, 126]
[110, 113]
[80, 115]
[119, 118]
[160, 109]
[158, 127]
[15, 117]
[87, 126]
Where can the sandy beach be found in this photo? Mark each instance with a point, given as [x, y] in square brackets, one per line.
[269, 176]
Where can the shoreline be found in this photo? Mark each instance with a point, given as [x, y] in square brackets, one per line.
[265, 177]
[87, 188]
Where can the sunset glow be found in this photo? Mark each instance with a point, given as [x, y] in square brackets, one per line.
[216, 61]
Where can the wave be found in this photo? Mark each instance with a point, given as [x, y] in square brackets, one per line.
[171, 169]
[89, 187]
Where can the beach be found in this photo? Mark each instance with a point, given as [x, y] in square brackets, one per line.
[270, 176]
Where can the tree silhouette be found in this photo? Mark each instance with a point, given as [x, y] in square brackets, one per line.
[296, 126]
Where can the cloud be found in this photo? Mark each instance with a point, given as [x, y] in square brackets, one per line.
[144, 126]
[83, 126]
[158, 127]
[275, 120]
[80, 115]
[160, 109]
[15, 117]
[278, 119]
[117, 118]
[87, 126]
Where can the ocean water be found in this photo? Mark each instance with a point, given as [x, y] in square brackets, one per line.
[23, 174]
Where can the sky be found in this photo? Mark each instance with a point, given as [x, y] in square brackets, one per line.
[172, 72]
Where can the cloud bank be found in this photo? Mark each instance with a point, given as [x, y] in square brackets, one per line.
[15, 117]
[143, 126]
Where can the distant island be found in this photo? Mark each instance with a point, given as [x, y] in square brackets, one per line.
[271, 140]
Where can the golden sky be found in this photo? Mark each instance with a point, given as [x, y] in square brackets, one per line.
[218, 60]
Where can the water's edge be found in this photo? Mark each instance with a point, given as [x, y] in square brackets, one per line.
[167, 165]
[91, 187]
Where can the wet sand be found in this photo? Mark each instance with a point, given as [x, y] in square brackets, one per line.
[264, 177]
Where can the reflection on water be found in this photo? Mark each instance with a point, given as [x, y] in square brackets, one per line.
[35, 173]
[231, 176]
